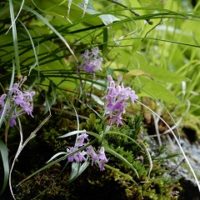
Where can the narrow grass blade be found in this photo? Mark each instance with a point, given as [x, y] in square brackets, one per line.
[20, 9]
[45, 21]
[72, 133]
[120, 157]
[5, 164]
[56, 155]
[15, 39]
[33, 47]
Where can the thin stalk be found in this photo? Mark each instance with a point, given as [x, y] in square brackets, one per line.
[15, 40]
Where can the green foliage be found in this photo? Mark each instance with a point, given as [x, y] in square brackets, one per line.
[155, 47]
[94, 124]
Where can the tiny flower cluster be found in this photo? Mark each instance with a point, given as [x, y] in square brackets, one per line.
[89, 153]
[23, 100]
[116, 101]
[91, 61]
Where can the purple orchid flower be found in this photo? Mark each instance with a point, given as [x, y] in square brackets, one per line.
[91, 61]
[89, 153]
[19, 100]
[116, 101]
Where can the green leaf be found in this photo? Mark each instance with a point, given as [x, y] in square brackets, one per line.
[108, 19]
[5, 162]
[136, 72]
[155, 90]
[97, 99]
[56, 155]
[162, 74]
[73, 11]
[77, 170]
[72, 133]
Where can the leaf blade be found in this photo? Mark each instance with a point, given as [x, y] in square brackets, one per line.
[5, 162]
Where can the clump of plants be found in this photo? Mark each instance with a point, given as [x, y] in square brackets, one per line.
[83, 98]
